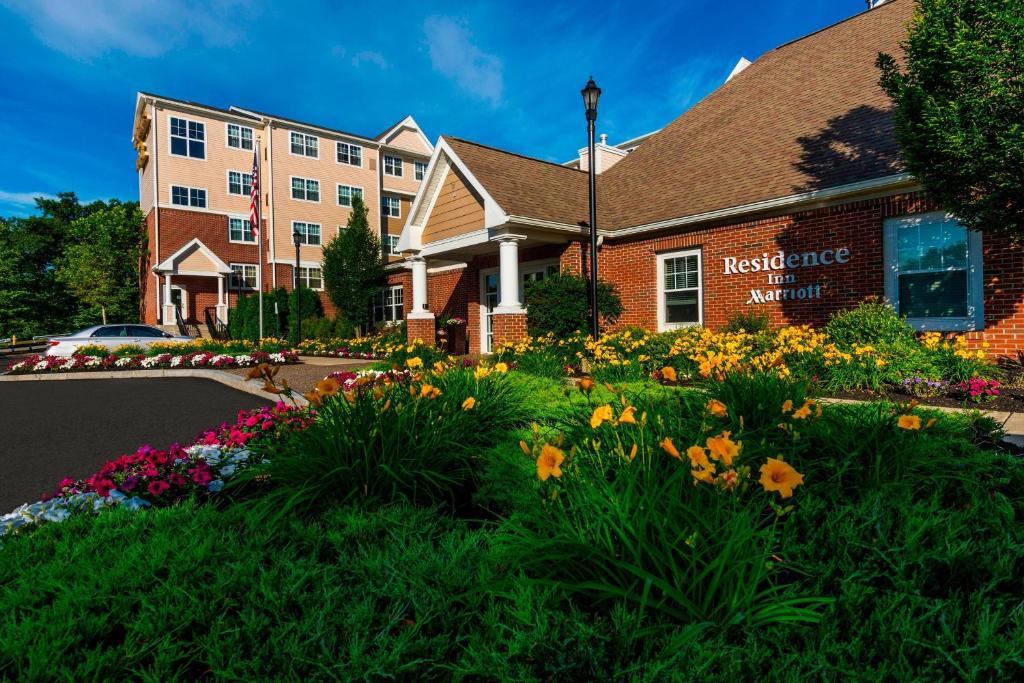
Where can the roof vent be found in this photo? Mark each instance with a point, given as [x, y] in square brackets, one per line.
[740, 66]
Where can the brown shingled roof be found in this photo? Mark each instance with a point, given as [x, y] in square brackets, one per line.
[807, 115]
[524, 186]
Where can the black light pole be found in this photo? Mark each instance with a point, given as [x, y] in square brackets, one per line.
[297, 240]
[591, 93]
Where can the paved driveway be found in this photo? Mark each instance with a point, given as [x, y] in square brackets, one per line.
[53, 429]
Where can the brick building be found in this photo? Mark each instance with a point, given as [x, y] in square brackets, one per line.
[195, 166]
[781, 192]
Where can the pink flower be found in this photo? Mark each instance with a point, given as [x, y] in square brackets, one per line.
[251, 422]
[157, 487]
[104, 487]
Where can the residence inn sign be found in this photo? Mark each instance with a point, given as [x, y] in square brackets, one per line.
[781, 261]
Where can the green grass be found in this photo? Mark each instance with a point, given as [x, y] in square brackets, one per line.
[917, 538]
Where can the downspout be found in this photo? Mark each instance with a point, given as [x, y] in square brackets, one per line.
[270, 195]
[156, 206]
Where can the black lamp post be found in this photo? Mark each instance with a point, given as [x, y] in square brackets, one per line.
[297, 241]
[591, 94]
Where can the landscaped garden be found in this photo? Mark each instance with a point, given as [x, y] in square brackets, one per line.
[684, 507]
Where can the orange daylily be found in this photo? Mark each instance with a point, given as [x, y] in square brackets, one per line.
[669, 447]
[668, 372]
[787, 405]
[469, 403]
[550, 462]
[587, 385]
[601, 414]
[698, 457]
[909, 422]
[328, 386]
[723, 448]
[717, 408]
[632, 453]
[778, 475]
[628, 416]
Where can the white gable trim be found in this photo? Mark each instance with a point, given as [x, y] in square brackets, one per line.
[410, 123]
[441, 160]
[170, 264]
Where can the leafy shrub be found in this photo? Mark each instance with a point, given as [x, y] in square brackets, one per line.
[309, 302]
[128, 350]
[326, 328]
[409, 440]
[742, 321]
[873, 323]
[558, 304]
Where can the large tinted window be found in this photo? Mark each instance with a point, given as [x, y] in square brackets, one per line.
[110, 331]
[143, 331]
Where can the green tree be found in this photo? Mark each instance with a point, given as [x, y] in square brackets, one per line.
[959, 104]
[100, 263]
[353, 268]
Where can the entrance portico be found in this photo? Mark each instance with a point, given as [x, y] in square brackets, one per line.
[194, 259]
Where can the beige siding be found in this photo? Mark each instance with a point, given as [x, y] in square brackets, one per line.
[457, 211]
[197, 262]
[409, 140]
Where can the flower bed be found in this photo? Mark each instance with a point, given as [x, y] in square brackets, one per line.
[198, 359]
[151, 477]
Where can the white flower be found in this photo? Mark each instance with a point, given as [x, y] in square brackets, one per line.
[176, 361]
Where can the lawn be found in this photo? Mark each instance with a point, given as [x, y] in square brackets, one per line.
[549, 531]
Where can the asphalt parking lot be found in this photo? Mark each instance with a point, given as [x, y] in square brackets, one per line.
[55, 429]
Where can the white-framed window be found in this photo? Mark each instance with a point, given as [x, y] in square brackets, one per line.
[933, 272]
[391, 207]
[304, 145]
[239, 230]
[309, 233]
[239, 137]
[346, 192]
[305, 189]
[243, 275]
[388, 304]
[680, 289]
[239, 183]
[311, 277]
[188, 196]
[188, 138]
[350, 154]
[389, 245]
[392, 165]
[419, 169]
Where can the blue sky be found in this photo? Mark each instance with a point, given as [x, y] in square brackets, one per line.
[506, 74]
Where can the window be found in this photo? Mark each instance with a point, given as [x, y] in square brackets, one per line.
[188, 138]
[239, 183]
[389, 245]
[239, 137]
[146, 331]
[933, 272]
[309, 233]
[311, 278]
[419, 169]
[346, 192]
[188, 196]
[243, 276]
[239, 230]
[305, 189]
[391, 207]
[393, 165]
[679, 289]
[388, 304]
[350, 154]
[111, 331]
[305, 145]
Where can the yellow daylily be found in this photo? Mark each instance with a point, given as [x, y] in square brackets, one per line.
[601, 414]
[549, 463]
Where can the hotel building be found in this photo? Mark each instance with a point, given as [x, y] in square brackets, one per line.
[195, 166]
[783, 192]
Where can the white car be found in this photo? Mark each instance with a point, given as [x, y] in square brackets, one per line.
[110, 336]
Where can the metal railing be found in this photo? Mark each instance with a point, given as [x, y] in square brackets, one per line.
[185, 327]
[218, 328]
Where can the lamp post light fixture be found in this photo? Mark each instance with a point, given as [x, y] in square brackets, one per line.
[297, 241]
[591, 94]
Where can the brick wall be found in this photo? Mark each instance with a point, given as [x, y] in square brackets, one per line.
[508, 327]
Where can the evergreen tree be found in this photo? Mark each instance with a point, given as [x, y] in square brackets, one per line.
[353, 268]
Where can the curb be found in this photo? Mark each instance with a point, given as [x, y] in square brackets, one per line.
[226, 378]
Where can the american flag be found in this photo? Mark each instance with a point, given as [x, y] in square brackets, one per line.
[254, 196]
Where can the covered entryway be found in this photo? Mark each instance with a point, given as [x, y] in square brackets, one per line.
[187, 289]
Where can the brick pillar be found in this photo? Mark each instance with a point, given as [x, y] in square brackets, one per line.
[421, 328]
[508, 327]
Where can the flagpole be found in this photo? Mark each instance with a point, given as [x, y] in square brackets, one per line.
[259, 214]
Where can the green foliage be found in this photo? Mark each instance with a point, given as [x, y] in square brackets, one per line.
[93, 350]
[428, 354]
[326, 328]
[874, 323]
[421, 448]
[558, 304]
[958, 108]
[244, 321]
[353, 268]
[743, 321]
[311, 306]
[100, 263]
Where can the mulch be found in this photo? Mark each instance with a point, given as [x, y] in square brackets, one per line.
[303, 377]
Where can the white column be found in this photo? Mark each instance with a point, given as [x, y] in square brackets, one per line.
[168, 306]
[419, 288]
[222, 303]
[508, 267]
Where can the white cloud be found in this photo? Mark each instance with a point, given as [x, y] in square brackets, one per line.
[370, 57]
[22, 198]
[145, 28]
[453, 54]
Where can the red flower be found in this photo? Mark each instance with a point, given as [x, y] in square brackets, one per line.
[104, 487]
[157, 487]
